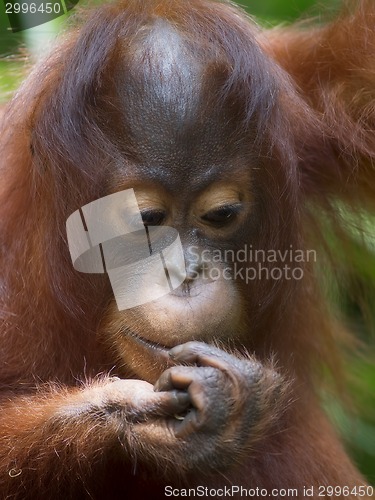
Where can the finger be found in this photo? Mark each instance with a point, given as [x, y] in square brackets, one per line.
[162, 404]
[173, 403]
[189, 425]
[177, 377]
[200, 383]
[202, 354]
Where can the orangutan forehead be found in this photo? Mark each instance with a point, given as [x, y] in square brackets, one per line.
[164, 99]
[162, 74]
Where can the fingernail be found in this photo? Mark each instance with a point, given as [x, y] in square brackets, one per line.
[175, 351]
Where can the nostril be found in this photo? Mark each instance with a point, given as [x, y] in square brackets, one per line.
[193, 271]
[185, 287]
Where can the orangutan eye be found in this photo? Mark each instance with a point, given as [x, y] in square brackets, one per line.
[223, 215]
[153, 217]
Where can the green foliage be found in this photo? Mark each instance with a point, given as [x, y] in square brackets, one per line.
[348, 276]
[11, 75]
[357, 427]
[276, 11]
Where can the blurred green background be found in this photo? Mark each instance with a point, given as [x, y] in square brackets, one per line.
[357, 426]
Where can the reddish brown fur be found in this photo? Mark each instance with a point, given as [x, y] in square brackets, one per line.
[305, 96]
